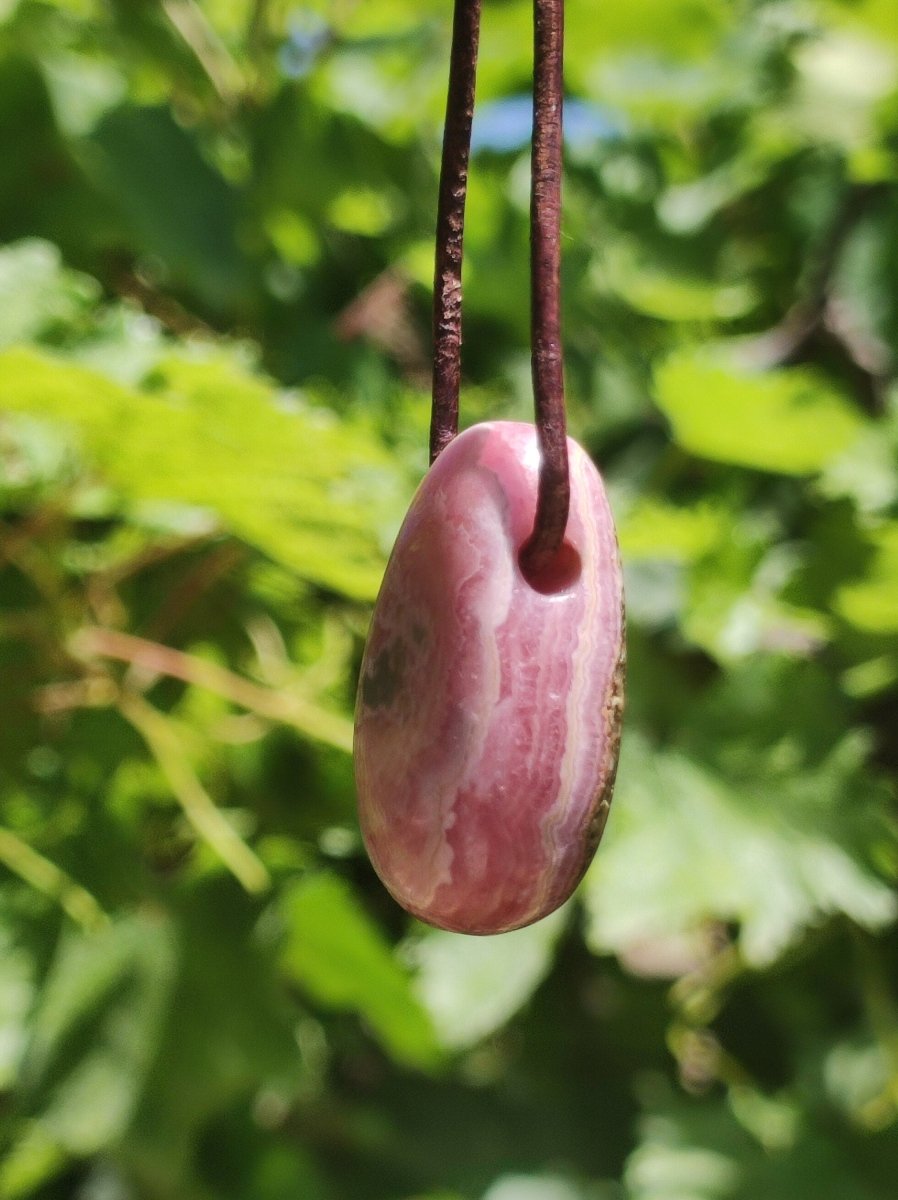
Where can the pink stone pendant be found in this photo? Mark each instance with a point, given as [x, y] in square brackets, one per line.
[489, 707]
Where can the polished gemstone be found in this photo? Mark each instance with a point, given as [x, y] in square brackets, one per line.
[489, 706]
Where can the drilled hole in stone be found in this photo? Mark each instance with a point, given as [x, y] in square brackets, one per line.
[557, 576]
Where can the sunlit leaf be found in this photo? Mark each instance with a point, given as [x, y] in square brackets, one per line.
[686, 845]
[32, 1161]
[336, 952]
[36, 295]
[790, 421]
[534, 1187]
[653, 529]
[699, 1150]
[472, 986]
[871, 603]
[206, 434]
[673, 299]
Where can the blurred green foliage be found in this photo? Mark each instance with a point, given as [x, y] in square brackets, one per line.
[216, 221]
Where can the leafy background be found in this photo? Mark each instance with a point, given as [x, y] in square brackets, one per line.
[216, 224]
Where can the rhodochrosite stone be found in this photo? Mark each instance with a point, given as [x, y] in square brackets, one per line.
[488, 714]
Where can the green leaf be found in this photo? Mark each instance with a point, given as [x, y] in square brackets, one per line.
[335, 951]
[472, 986]
[536, 1187]
[698, 1150]
[669, 295]
[33, 1160]
[686, 845]
[17, 988]
[287, 478]
[735, 602]
[35, 461]
[866, 472]
[32, 153]
[790, 421]
[664, 1168]
[871, 604]
[654, 529]
[179, 208]
[877, 16]
[37, 296]
[858, 1077]
[228, 1033]
[96, 1028]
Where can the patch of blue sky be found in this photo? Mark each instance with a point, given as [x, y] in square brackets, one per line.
[506, 124]
[308, 36]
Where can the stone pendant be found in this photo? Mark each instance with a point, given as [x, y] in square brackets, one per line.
[489, 707]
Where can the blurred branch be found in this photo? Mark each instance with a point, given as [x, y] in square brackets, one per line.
[161, 736]
[381, 315]
[101, 588]
[258, 33]
[261, 45]
[15, 538]
[95, 691]
[195, 583]
[194, 28]
[698, 996]
[24, 547]
[150, 556]
[784, 342]
[329, 666]
[816, 311]
[303, 715]
[45, 877]
[129, 283]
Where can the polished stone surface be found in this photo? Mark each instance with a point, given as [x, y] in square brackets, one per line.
[488, 712]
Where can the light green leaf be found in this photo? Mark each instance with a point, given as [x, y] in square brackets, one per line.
[654, 529]
[16, 997]
[536, 1187]
[671, 299]
[685, 845]
[312, 492]
[34, 459]
[94, 1033]
[866, 472]
[694, 1153]
[877, 16]
[32, 1160]
[734, 605]
[871, 604]
[668, 294]
[789, 421]
[36, 294]
[363, 211]
[858, 1076]
[472, 986]
[700, 1150]
[874, 675]
[841, 77]
[336, 952]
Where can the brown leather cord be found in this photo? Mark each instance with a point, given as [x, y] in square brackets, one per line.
[553, 499]
[547, 360]
[447, 292]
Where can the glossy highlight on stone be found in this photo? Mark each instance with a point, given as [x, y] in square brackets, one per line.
[488, 711]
